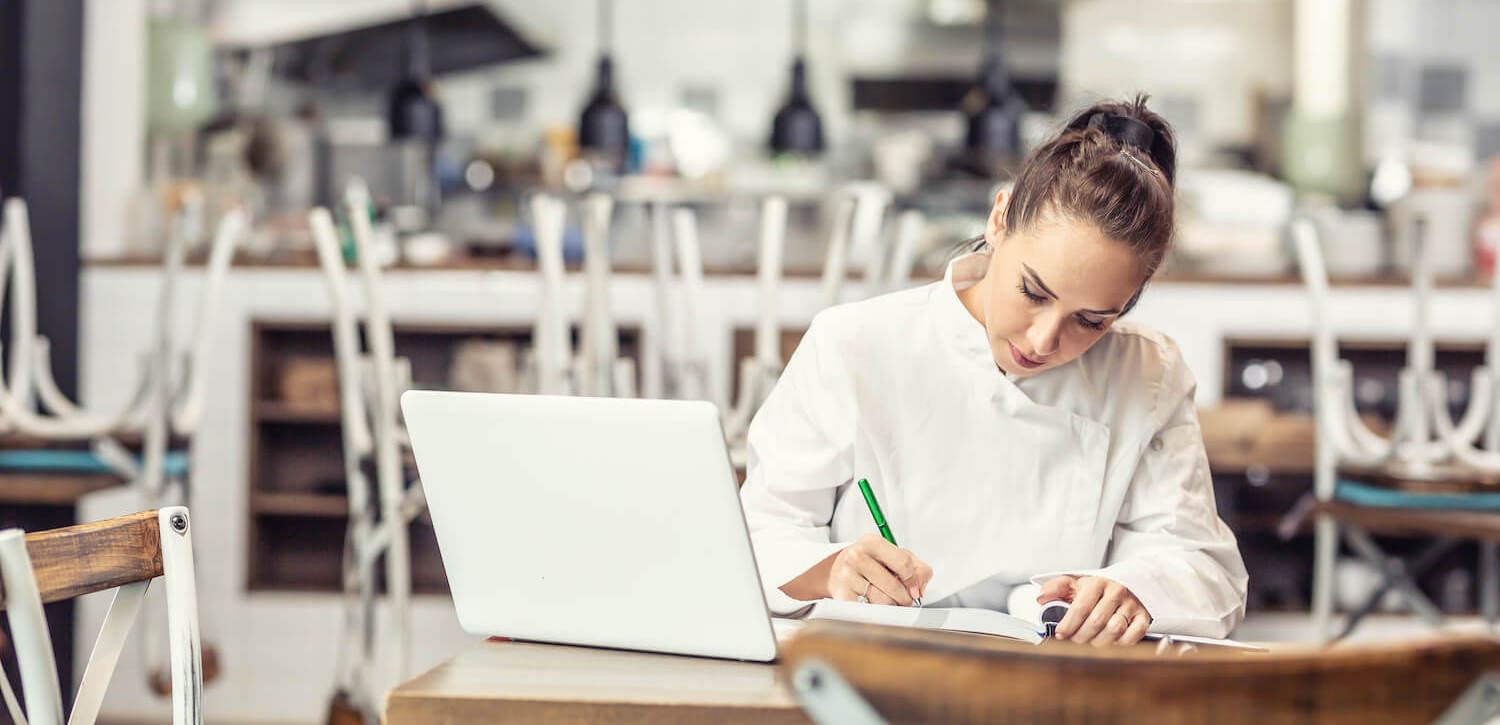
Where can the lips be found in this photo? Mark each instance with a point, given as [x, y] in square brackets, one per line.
[1022, 360]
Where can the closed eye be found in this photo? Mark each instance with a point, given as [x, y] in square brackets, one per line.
[1089, 324]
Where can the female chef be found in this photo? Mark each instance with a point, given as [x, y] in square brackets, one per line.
[1012, 427]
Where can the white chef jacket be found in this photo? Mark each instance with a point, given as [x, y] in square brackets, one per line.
[1096, 467]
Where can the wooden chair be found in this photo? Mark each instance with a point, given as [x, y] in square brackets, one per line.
[905, 675]
[123, 553]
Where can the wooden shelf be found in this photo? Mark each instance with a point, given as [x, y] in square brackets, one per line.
[315, 505]
[275, 411]
[298, 514]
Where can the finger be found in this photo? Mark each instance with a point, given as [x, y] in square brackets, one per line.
[845, 582]
[1086, 594]
[1058, 587]
[878, 597]
[1104, 611]
[924, 575]
[883, 581]
[841, 588]
[1113, 630]
[1137, 630]
[899, 561]
[847, 577]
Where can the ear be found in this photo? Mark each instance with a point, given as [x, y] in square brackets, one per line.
[994, 229]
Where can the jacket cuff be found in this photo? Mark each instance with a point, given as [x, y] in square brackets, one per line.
[782, 561]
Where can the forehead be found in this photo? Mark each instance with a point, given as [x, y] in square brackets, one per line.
[1086, 269]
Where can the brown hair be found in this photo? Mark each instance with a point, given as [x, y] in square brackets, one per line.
[1112, 172]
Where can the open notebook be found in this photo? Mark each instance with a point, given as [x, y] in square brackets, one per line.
[964, 619]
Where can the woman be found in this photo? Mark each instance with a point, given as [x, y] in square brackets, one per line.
[1013, 428]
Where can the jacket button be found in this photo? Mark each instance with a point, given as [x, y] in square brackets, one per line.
[1156, 443]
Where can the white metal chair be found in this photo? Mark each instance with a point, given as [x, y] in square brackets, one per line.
[552, 367]
[124, 553]
[166, 402]
[1424, 443]
[601, 369]
[904, 250]
[688, 367]
[758, 373]
[549, 367]
[370, 384]
[167, 405]
[858, 216]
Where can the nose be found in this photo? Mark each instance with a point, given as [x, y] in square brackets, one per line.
[1045, 334]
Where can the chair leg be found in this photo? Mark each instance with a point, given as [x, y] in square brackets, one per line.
[1398, 574]
[398, 586]
[182, 616]
[28, 632]
[1393, 572]
[1489, 581]
[1325, 550]
[1369, 606]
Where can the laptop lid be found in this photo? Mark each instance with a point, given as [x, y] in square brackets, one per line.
[591, 521]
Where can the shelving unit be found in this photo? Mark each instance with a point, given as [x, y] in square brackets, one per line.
[297, 504]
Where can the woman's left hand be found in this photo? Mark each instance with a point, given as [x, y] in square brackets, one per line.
[1101, 611]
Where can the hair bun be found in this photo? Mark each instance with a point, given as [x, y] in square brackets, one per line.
[1128, 131]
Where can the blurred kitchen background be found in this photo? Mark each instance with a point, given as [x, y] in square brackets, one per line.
[1361, 115]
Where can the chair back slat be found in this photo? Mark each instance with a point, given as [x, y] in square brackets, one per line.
[912, 675]
[87, 558]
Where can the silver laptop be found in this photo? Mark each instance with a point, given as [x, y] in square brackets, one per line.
[601, 522]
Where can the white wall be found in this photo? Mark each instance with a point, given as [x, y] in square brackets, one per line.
[113, 127]
[1211, 55]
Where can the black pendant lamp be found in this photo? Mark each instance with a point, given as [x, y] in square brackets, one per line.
[994, 111]
[797, 128]
[603, 130]
[414, 114]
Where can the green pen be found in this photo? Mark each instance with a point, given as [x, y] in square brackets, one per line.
[885, 529]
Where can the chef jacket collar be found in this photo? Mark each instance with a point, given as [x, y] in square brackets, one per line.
[959, 328]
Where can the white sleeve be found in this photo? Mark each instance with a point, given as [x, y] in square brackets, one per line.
[800, 451]
[1170, 549]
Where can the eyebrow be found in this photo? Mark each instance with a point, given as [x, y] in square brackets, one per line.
[1038, 280]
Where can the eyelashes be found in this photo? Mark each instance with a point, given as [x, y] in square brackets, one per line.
[1031, 297]
[1036, 300]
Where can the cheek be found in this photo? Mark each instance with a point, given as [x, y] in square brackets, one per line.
[1008, 316]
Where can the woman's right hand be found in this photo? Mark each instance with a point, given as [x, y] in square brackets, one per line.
[878, 570]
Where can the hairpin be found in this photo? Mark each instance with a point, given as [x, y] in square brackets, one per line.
[1139, 162]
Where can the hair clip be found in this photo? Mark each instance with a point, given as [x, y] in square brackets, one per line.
[1128, 131]
[1139, 162]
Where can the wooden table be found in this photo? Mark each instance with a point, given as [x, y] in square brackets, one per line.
[499, 680]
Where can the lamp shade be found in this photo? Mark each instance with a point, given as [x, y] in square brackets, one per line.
[413, 112]
[994, 112]
[797, 129]
[604, 128]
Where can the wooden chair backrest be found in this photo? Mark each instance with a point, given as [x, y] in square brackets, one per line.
[924, 676]
[87, 558]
